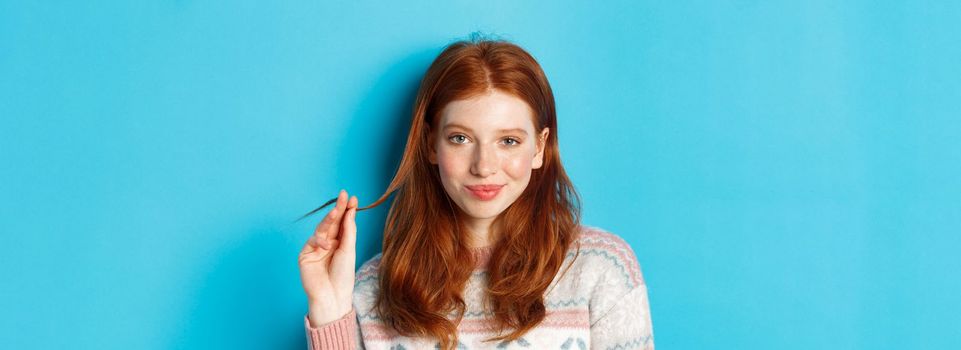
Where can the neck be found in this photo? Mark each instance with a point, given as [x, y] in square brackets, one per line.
[478, 234]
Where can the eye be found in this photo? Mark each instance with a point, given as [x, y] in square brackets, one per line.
[458, 138]
[511, 139]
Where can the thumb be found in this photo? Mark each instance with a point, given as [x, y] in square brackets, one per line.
[349, 237]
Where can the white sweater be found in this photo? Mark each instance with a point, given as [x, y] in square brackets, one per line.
[600, 303]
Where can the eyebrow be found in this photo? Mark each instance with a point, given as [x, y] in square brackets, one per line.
[502, 131]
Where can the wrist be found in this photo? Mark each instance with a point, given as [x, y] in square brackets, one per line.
[321, 314]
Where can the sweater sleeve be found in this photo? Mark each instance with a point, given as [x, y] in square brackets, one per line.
[619, 307]
[626, 325]
[341, 334]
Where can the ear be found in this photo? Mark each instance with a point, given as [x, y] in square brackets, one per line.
[538, 160]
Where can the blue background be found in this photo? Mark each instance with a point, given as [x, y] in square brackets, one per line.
[787, 172]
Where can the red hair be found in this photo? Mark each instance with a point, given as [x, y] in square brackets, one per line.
[423, 269]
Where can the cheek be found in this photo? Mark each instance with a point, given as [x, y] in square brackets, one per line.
[451, 164]
[518, 166]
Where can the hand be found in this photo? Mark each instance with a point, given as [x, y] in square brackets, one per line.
[327, 263]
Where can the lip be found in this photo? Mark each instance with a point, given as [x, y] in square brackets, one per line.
[484, 192]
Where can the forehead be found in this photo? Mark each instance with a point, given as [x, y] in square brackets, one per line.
[495, 110]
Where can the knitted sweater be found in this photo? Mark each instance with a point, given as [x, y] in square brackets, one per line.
[600, 303]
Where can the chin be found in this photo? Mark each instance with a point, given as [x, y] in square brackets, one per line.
[476, 211]
[483, 210]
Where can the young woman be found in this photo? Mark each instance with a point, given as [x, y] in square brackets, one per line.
[483, 246]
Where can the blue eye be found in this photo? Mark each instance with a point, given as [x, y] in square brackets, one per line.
[458, 138]
[515, 141]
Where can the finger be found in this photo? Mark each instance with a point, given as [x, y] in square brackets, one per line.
[316, 243]
[333, 244]
[329, 218]
[331, 222]
[321, 243]
[334, 231]
[349, 235]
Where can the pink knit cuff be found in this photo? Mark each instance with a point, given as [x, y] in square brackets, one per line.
[336, 335]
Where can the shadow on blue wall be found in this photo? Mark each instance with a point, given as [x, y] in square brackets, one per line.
[248, 278]
[371, 149]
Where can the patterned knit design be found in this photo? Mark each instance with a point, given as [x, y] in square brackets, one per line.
[600, 303]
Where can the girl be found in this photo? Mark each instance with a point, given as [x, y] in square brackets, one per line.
[483, 246]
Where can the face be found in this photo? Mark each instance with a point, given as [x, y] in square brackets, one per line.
[485, 149]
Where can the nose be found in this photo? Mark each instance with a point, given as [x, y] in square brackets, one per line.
[485, 161]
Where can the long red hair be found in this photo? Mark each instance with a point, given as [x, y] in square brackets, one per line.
[423, 269]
